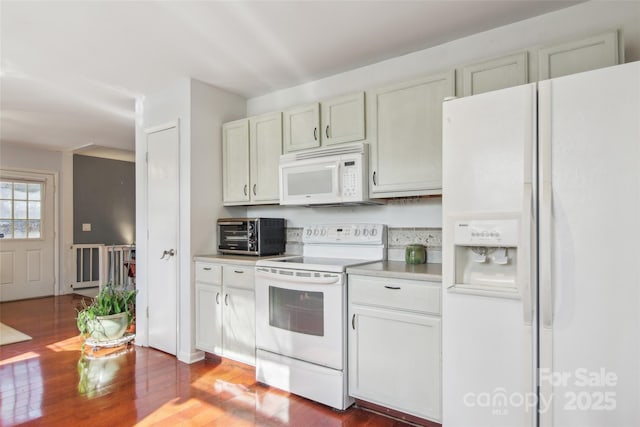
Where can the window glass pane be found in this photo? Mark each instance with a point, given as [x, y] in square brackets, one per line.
[35, 191]
[5, 229]
[19, 191]
[5, 190]
[5, 209]
[34, 210]
[34, 229]
[19, 229]
[19, 210]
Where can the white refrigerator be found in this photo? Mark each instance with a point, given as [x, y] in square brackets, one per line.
[541, 254]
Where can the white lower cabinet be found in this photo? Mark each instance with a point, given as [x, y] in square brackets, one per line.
[395, 352]
[225, 311]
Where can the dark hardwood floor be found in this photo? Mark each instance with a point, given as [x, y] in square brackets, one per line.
[48, 382]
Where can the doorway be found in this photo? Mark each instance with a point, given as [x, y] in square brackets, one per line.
[27, 234]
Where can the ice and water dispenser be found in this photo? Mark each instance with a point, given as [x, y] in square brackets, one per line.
[486, 256]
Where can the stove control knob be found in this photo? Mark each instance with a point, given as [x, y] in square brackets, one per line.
[309, 232]
[315, 232]
[323, 232]
[357, 232]
[365, 232]
[374, 231]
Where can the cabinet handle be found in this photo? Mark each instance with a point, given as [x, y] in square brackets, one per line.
[226, 299]
[326, 131]
[245, 189]
[254, 189]
[218, 298]
[315, 134]
[374, 178]
[353, 322]
[238, 271]
[206, 268]
[395, 288]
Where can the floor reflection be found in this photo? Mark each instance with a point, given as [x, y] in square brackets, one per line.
[21, 390]
[97, 373]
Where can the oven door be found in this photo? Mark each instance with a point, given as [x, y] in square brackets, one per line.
[300, 314]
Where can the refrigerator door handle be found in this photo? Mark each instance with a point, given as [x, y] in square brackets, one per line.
[546, 297]
[524, 254]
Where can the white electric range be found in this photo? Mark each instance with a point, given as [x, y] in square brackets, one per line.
[301, 311]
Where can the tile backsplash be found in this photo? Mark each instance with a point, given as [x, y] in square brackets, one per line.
[397, 239]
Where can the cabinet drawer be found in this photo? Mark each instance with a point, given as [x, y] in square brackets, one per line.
[208, 273]
[238, 276]
[399, 294]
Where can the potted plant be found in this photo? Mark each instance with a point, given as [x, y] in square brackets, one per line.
[108, 315]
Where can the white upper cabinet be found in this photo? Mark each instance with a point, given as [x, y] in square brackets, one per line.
[301, 128]
[498, 73]
[342, 119]
[578, 56]
[265, 147]
[235, 162]
[333, 121]
[405, 125]
[251, 151]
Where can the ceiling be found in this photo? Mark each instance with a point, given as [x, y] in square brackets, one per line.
[71, 71]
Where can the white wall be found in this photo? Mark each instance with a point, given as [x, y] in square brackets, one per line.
[567, 24]
[201, 109]
[14, 156]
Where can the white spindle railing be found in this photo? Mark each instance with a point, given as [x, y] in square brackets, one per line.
[98, 264]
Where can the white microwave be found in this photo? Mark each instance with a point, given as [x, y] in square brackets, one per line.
[326, 176]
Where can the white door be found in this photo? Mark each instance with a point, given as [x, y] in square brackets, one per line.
[162, 220]
[589, 252]
[27, 235]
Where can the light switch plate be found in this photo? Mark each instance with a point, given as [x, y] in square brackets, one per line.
[86, 227]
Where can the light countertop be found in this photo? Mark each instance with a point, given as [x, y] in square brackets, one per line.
[400, 270]
[233, 259]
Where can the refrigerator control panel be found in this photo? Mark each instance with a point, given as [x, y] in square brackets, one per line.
[492, 232]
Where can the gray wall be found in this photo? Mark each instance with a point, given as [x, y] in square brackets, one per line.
[104, 195]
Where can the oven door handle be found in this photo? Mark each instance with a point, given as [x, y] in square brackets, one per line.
[332, 280]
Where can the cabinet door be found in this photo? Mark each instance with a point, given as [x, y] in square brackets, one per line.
[301, 128]
[406, 136]
[394, 360]
[343, 119]
[209, 317]
[495, 74]
[235, 162]
[577, 56]
[265, 147]
[239, 330]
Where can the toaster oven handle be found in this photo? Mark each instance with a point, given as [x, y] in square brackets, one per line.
[230, 222]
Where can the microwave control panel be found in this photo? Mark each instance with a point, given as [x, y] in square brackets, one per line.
[351, 178]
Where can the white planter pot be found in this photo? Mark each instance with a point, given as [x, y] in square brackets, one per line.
[105, 328]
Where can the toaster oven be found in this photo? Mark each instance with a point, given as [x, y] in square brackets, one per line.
[251, 236]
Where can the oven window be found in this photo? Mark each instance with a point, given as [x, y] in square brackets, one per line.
[297, 311]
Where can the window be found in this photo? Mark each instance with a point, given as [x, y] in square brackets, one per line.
[20, 209]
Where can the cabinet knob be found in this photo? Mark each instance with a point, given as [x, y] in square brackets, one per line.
[226, 299]
[395, 288]
[218, 298]
[374, 178]
[254, 189]
[353, 322]
[245, 189]
[315, 134]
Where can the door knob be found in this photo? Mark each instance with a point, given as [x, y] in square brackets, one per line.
[168, 253]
